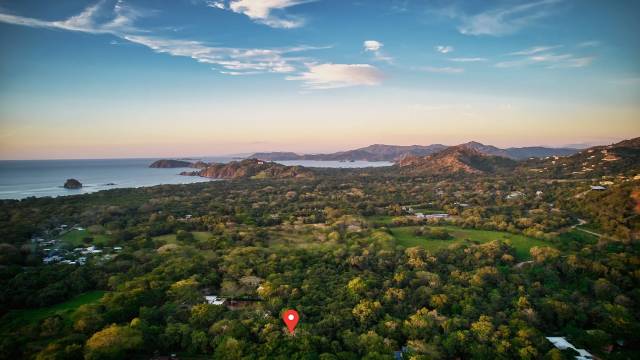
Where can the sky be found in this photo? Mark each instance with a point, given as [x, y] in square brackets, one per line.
[153, 78]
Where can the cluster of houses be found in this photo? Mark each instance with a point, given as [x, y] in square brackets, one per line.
[432, 216]
[54, 253]
[422, 216]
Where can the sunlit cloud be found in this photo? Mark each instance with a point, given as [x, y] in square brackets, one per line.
[372, 45]
[375, 47]
[267, 12]
[332, 76]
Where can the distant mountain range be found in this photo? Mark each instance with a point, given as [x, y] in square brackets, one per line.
[468, 158]
[475, 158]
[380, 152]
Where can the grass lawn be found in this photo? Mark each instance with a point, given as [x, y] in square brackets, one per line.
[405, 237]
[171, 238]
[17, 318]
[381, 219]
[429, 211]
[74, 238]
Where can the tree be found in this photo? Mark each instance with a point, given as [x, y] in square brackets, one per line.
[186, 291]
[366, 311]
[113, 342]
[543, 253]
[356, 286]
[483, 328]
[229, 348]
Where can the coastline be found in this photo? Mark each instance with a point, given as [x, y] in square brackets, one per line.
[20, 179]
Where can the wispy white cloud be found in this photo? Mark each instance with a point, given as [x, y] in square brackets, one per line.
[117, 19]
[332, 76]
[375, 47]
[444, 49]
[99, 18]
[230, 60]
[267, 12]
[469, 59]
[216, 4]
[543, 55]
[591, 43]
[441, 70]
[535, 50]
[571, 62]
[504, 20]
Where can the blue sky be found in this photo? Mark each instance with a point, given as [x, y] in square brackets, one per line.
[117, 78]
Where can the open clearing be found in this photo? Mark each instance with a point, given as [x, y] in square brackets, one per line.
[75, 238]
[171, 238]
[406, 237]
[17, 318]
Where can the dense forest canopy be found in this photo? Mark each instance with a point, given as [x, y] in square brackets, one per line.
[378, 263]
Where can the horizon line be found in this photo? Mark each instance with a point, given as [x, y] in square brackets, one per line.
[242, 155]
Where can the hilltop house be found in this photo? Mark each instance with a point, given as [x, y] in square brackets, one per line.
[431, 216]
[214, 300]
[562, 344]
[515, 195]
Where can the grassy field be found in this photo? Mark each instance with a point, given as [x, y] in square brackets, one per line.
[380, 219]
[16, 318]
[405, 237]
[74, 238]
[171, 238]
[429, 211]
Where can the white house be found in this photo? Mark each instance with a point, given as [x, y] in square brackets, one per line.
[214, 300]
[562, 344]
[598, 188]
[515, 195]
[52, 259]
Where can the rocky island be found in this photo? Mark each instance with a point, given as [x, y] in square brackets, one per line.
[168, 164]
[251, 168]
[72, 184]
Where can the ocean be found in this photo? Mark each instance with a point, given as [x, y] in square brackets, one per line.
[25, 178]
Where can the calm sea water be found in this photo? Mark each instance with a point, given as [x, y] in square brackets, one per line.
[24, 178]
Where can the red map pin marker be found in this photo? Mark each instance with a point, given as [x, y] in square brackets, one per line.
[290, 317]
